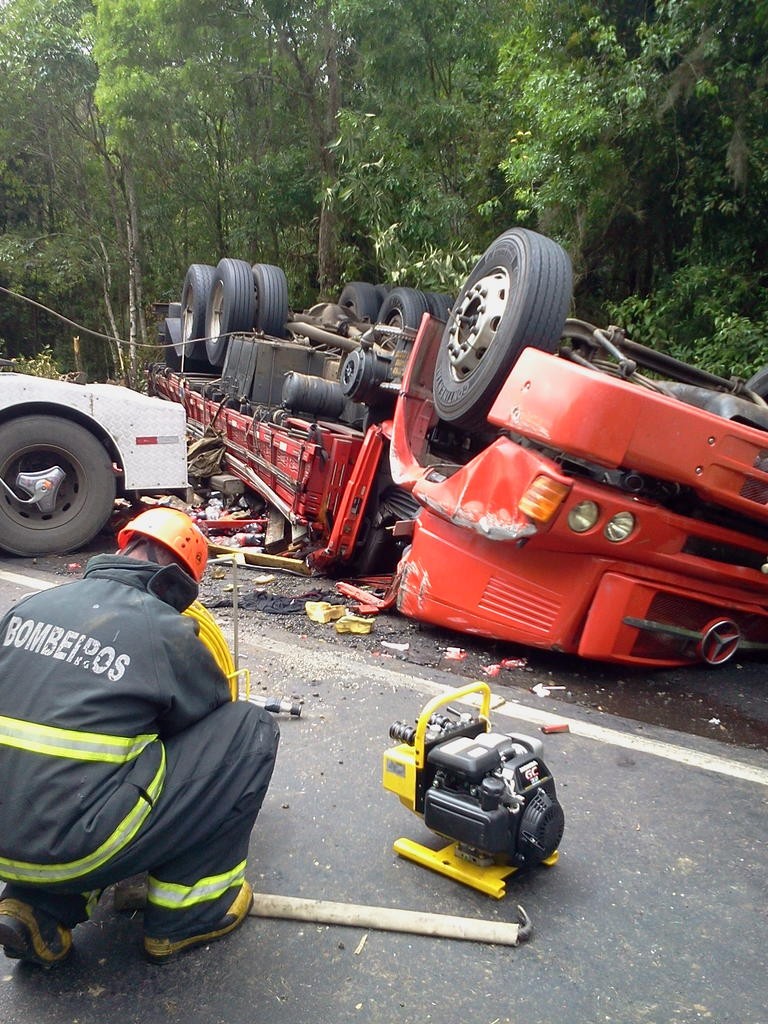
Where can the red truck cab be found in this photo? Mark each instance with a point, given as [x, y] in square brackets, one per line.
[572, 530]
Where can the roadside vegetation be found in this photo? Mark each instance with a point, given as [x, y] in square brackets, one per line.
[382, 141]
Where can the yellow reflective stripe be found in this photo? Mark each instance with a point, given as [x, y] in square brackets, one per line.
[79, 746]
[21, 871]
[173, 896]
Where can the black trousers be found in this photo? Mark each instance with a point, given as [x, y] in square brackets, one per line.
[194, 843]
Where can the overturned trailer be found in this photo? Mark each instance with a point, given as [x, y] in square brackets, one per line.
[525, 476]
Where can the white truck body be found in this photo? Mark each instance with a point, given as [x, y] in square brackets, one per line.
[68, 451]
[148, 434]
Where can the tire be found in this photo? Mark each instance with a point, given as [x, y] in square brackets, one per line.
[194, 303]
[84, 501]
[758, 383]
[271, 299]
[517, 296]
[377, 550]
[231, 307]
[361, 300]
[440, 305]
[170, 337]
[403, 307]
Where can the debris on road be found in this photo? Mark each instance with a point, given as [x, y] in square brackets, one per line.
[454, 654]
[544, 689]
[353, 624]
[324, 611]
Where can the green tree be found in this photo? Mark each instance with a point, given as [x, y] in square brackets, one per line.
[419, 184]
[59, 232]
[640, 142]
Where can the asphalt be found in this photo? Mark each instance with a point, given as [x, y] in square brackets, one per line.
[655, 912]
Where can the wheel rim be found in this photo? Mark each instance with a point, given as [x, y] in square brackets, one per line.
[187, 322]
[217, 306]
[475, 322]
[71, 498]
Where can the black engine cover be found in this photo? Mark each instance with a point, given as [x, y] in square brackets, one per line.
[456, 816]
[493, 793]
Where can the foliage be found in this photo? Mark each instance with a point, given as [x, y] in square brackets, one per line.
[41, 365]
[390, 141]
[641, 143]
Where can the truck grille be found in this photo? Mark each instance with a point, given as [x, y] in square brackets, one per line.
[753, 489]
[533, 610]
[675, 610]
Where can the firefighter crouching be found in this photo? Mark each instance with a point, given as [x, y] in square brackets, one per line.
[121, 752]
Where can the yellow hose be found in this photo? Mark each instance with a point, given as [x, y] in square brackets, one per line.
[214, 640]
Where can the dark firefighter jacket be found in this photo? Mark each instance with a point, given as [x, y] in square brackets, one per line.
[93, 675]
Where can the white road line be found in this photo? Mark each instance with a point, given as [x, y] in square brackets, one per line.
[26, 581]
[501, 706]
[642, 744]
[535, 716]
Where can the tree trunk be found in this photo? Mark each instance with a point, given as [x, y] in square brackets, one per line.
[137, 334]
[327, 262]
[106, 283]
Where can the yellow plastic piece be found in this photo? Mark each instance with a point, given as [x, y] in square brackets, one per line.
[324, 611]
[490, 879]
[354, 624]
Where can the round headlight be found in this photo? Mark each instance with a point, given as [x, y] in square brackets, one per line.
[619, 526]
[582, 517]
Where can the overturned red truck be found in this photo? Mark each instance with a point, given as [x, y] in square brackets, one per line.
[525, 476]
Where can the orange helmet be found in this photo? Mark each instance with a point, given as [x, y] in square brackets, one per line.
[175, 531]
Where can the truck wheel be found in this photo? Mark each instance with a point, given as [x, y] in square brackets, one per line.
[440, 305]
[85, 498]
[516, 296]
[403, 307]
[361, 300]
[377, 550]
[231, 307]
[194, 301]
[271, 299]
[169, 337]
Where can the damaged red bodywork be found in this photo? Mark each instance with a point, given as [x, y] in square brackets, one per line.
[675, 590]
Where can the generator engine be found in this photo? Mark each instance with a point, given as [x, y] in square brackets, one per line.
[489, 792]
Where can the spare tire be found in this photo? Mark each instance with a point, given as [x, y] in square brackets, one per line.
[403, 307]
[231, 306]
[271, 299]
[516, 296]
[194, 302]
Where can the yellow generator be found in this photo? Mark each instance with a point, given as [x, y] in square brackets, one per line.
[490, 793]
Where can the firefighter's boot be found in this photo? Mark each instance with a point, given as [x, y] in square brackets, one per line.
[161, 951]
[32, 935]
